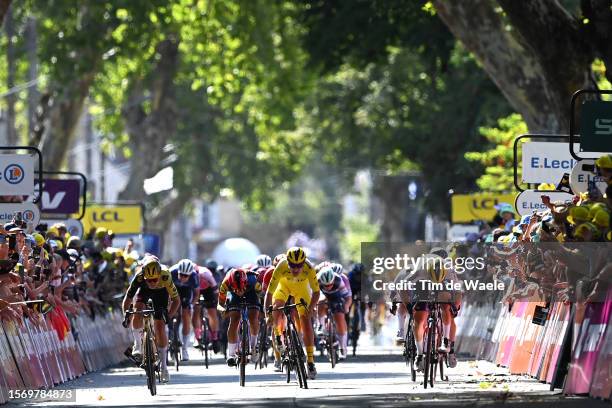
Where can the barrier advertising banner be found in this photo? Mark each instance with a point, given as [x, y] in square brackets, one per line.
[122, 219]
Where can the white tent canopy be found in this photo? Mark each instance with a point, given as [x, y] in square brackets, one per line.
[235, 252]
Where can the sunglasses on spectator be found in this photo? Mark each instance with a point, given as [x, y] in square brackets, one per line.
[295, 265]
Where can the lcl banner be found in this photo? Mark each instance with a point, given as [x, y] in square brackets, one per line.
[60, 196]
[122, 219]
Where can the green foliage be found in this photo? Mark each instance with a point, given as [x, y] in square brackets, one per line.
[400, 114]
[498, 173]
[356, 229]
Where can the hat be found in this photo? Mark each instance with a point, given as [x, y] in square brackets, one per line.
[60, 226]
[578, 215]
[584, 227]
[547, 187]
[604, 162]
[73, 253]
[9, 225]
[525, 219]
[73, 242]
[595, 207]
[505, 208]
[601, 219]
[101, 232]
[52, 231]
[38, 239]
[53, 244]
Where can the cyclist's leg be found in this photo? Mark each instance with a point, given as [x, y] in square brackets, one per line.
[341, 328]
[322, 311]
[186, 320]
[401, 321]
[196, 322]
[211, 298]
[160, 305]
[254, 309]
[233, 313]
[421, 314]
[137, 322]
[305, 322]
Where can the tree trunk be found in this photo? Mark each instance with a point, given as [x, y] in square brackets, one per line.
[11, 98]
[390, 190]
[58, 119]
[4, 5]
[536, 75]
[33, 96]
[150, 132]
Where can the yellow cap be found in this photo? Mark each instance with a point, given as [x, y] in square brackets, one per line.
[604, 162]
[52, 231]
[578, 214]
[39, 239]
[547, 187]
[602, 219]
[584, 227]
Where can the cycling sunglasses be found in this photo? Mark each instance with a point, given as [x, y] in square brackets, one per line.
[152, 280]
[295, 265]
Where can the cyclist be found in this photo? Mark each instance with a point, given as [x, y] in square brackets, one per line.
[337, 296]
[354, 276]
[265, 278]
[209, 293]
[187, 282]
[152, 282]
[240, 286]
[399, 308]
[263, 261]
[432, 269]
[295, 276]
[450, 306]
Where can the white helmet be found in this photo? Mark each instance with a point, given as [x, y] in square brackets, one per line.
[264, 261]
[185, 267]
[337, 268]
[326, 276]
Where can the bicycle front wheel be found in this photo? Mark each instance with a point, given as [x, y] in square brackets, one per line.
[300, 360]
[150, 363]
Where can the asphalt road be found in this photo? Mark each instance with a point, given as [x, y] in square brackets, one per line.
[376, 377]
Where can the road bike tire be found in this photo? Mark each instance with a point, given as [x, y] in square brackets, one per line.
[204, 339]
[150, 364]
[427, 357]
[434, 354]
[300, 360]
[331, 348]
[355, 330]
[244, 346]
[410, 349]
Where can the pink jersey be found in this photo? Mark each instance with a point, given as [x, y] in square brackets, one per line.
[207, 280]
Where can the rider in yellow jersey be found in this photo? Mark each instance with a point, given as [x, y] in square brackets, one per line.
[295, 276]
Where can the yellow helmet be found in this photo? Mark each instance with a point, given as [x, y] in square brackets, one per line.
[151, 268]
[435, 267]
[296, 255]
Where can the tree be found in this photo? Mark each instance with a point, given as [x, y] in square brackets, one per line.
[538, 52]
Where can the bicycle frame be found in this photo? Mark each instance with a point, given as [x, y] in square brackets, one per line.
[150, 353]
[294, 358]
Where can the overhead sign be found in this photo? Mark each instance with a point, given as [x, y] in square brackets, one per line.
[122, 219]
[479, 206]
[531, 200]
[74, 227]
[596, 126]
[59, 196]
[583, 177]
[28, 212]
[546, 162]
[16, 174]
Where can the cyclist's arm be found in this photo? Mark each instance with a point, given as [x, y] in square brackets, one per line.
[276, 275]
[131, 291]
[314, 285]
[223, 292]
[196, 288]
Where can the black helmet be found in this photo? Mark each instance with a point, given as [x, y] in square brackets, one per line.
[211, 264]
